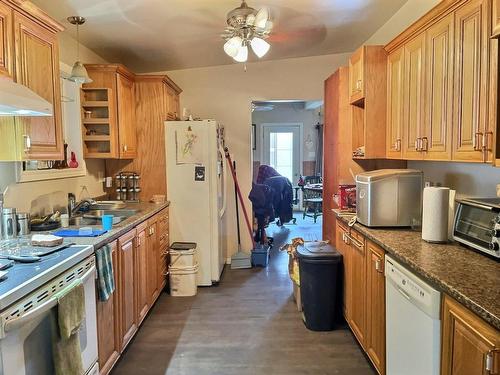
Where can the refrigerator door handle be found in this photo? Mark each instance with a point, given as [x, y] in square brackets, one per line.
[224, 183]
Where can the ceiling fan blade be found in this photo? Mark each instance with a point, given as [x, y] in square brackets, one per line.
[262, 18]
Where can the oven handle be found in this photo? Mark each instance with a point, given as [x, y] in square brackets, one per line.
[14, 324]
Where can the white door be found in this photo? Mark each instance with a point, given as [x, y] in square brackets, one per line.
[282, 149]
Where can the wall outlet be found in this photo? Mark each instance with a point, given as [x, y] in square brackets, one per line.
[498, 190]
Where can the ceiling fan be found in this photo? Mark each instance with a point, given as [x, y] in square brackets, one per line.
[247, 27]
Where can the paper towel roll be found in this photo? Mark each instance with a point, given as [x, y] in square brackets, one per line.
[451, 214]
[436, 202]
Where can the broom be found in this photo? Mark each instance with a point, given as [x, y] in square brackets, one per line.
[241, 259]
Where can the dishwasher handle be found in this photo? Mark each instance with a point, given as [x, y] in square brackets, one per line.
[14, 324]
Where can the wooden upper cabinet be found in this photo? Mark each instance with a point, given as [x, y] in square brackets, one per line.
[37, 67]
[116, 112]
[470, 116]
[126, 117]
[437, 131]
[469, 345]
[108, 322]
[395, 104]
[356, 76]
[375, 306]
[128, 287]
[413, 113]
[6, 39]
[496, 18]
[368, 100]
[173, 105]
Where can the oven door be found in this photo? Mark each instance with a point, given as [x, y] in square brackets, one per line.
[26, 348]
[473, 225]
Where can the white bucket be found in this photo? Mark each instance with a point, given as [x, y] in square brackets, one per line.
[183, 281]
[181, 259]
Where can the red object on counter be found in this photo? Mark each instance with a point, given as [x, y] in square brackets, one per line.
[73, 163]
[347, 201]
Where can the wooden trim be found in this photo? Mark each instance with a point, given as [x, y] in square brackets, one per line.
[30, 10]
[117, 68]
[440, 11]
[161, 78]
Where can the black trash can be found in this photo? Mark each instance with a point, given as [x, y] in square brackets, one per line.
[319, 266]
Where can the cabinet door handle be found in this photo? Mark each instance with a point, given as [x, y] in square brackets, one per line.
[490, 361]
[378, 266]
[486, 145]
[424, 144]
[125, 148]
[27, 142]
[477, 144]
[358, 84]
[355, 242]
[397, 145]
[418, 144]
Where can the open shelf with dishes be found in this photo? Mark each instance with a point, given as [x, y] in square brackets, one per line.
[97, 122]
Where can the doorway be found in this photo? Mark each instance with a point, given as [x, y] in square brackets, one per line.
[287, 135]
[282, 148]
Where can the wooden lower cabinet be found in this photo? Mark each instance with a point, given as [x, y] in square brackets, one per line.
[164, 243]
[375, 306]
[128, 286]
[108, 324]
[357, 282]
[139, 266]
[142, 274]
[470, 346]
[342, 248]
[364, 292]
[153, 250]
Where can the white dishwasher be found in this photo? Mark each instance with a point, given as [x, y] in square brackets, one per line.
[413, 330]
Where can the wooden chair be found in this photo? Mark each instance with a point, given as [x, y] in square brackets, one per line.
[312, 200]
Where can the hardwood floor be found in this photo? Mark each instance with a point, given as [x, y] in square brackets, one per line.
[249, 324]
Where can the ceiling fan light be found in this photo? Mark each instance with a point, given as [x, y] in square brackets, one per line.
[79, 74]
[242, 55]
[260, 47]
[250, 19]
[261, 18]
[232, 46]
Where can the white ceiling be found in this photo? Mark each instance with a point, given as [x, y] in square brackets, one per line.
[156, 35]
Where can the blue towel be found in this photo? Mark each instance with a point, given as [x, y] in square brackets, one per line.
[105, 274]
[75, 233]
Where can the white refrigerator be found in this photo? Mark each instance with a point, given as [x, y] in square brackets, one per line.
[196, 189]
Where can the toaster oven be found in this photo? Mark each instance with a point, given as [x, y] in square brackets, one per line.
[477, 224]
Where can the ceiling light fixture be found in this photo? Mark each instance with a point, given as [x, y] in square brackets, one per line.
[78, 74]
[247, 27]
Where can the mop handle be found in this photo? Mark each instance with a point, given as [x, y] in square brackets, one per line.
[233, 172]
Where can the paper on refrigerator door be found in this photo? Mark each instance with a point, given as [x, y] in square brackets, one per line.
[189, 148]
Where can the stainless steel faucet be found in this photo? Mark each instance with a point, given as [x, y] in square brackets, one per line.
[83, 203]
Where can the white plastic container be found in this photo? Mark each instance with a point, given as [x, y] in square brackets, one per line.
[181, 259]
[183, 281]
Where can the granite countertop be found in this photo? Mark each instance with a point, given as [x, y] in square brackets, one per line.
[469, 277]
[145, 211]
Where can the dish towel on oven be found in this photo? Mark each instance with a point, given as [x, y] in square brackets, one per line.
[105, 275]
[66, 349]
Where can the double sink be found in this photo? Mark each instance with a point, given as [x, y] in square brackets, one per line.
[96, 211]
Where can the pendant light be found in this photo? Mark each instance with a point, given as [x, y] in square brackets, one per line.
[78, 73]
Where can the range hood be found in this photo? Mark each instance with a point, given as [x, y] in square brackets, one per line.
[18, 100]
